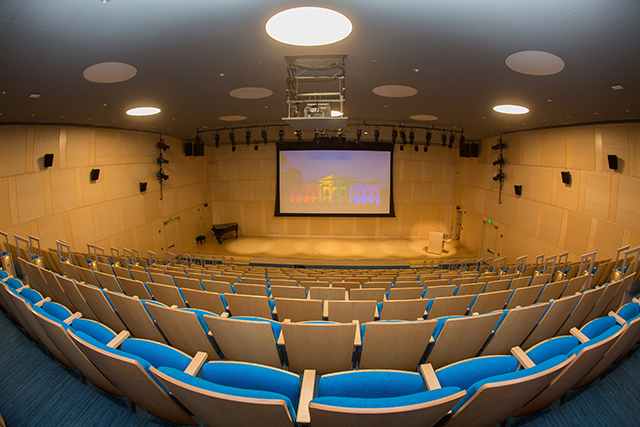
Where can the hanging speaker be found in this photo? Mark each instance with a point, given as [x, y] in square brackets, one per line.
[566, 177]
[198, 148]
[188, 149]
[518, 189]
[465, 150]
[613, 161]
[48, 160]
[95, 173]
[473, 149]
[143, 187]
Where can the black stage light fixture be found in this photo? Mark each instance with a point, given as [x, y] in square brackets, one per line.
[394, 135]
[232, 137]
[403, 136]
[412, 136]
[281, 134]
[161, 145]
[501, 161]
[162, 176]
[443, 138]
[376, 135]
[416, 147]
[247, 136]
[426, 148]
[499, 177]
[233, 146]
[452, 139]
[462, 139]
[358, 135]
[428, 138]
[499, 146]
[264, 135]
[316, 137]
[255, 147]
[299, 135]
[216, 138]
[401, 147]
[160, 160]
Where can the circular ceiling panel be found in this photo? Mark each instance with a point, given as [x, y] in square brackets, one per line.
[109, 72]
[510, 109]
[423, 117]
[395, 91]
[143, 111]
[251, 93]
[535, 63]
[233, 118]
[308, 26]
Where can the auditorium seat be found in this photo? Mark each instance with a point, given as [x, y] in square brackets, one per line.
[409, 309]
[449, 306]
[133, 288]
[167, 294]
[70, 289]
[524, 296]
[280, 291]
[581, 310]
[513, 328]
[489, 301]
[348, 311]
[298, 310]
[575, 285]
[133, 313]
[552, 291]
[555, 315]
[249, 305]
[101, 306]
[439, 291]
[210, 301]
[108, 281]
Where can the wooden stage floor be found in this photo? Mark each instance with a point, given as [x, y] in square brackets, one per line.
[328, 250]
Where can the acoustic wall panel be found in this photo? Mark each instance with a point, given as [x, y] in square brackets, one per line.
[551, 224]
[14, 150]
[577, 233]
[63, 190]
[109, 218]
[583, 148]
[598, 195]
[30, 196]
[82, 227]
[78, 147]
[107, 147]
[628, 212]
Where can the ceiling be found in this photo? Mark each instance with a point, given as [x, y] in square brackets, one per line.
[190, 54]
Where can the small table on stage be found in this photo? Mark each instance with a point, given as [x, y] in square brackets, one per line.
[220, 230]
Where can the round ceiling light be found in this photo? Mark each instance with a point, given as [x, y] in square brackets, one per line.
[143, 111]
[233, 118]
[251, 93]
[109, 72]
[535, 63]
[395, 91]
[423, 117]
[308, 26]
[510, 109]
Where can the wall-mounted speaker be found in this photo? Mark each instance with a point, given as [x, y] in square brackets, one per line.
[566, 177]
[518, 189]
[474, 149]
[188, 149]
[95, 174]
[198, 148]
[465, 150]
[143, 187]
[48, 160]
[613, 161]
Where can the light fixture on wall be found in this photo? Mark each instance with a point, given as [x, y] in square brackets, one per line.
[247, 136]
[416, 148]
[612, 159]
[499, 177]
[376, 135]
[403, 136]
[412, 136]
[566, 177]
[263, 133]
[299, 135]
[216, 138]
[443, 139]
[161, 145]
[394, 135]
[499, 146]
[95, 174]
[281, 134]
[48, 160]
[162, 176]
[358, 135]
[160, 160]
[501, 161]
[452, 139]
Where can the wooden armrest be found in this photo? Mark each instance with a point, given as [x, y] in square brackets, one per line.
[475, 313]
[117, 340]
[306, 394]
[281, 336]
[357, 341]
[619, 319]
[431, 340]
[346, 295]
[522, 357]
[42, 301]
[70, 319]
[174, 306]
[225, 314]
[578, 334]
[376, 315]
[325, 309]
[19, 290]
[196, 363]
[636, 300]
[429, 377]
[275, 311]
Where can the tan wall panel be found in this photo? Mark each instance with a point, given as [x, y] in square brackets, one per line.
[583, 148]
[296, 226]
[567, 196]
[443, 193]
[554, 148]
[532, 148]
[133, 211]
[240, 190]
[230, 170]
[14, 147]
[107, 147]
[321, 226]
[82, 227]
[528, 216]
[78, 148]
[168, 202]
[5, 214]
[551, 224]
[92, 191]
[598, 195]
[30, 196]
[46, 140]
[615, 140]
[628, 212]
[366, 227]
[50, 229]
[109, 219]
[251, 169]
[577, 233]
[252, 219]
[413, 170]
[608, 238]
[264, 191]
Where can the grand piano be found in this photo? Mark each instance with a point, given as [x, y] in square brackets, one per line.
[219, 230]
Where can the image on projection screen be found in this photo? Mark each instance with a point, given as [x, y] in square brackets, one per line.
[342, 182]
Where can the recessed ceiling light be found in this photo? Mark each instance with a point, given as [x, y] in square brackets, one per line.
[143, 111]
[293, 26]
[34, 96]
[535, 63]
[423, 117]
[395, 91]
[109, 72]
[233, 118]
[336, 113]
[251, 93]
[510, 109]
[617, 87]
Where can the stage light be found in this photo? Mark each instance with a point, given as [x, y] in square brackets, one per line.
[316, 137]
[162, 160]
[376, 135]
[281, 134]
[216, 138]
[462, 139]
[443, 138]
[416, 148]
[499, 177]
[232, 137]
[452, 139]
[162, 145]
[161, 176]
[428, 140]
[358, 135]
[499, 146]
[299, 135]
[264, 135]
[402, 147]
[501, 161]
[403, 136]
[426, 148]
[412, 136]
[233, 146]
[247, 135]
[255, 147]
[394, 135]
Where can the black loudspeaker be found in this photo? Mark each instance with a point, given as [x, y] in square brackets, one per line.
[473, 149]
[465, 150]
[48, 160]
[518, 189]
[566, 177]
[188, 149]
[612, 158]
[198, 148]
[95, 174]
[143, 187]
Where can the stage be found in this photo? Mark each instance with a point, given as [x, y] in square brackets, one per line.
[333, 251]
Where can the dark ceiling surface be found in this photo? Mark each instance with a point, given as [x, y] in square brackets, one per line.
[190, 54]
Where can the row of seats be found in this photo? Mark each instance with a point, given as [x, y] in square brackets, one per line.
[481, 390]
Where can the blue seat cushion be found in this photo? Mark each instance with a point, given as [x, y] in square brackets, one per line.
[56, 310]
[3, 274]
[43, 313]
[370, 384]
[14, 283]
[598, 326]
[156, 354]
[94, 329]
[32, 295]
[629, 311]
[603, 336]
[552, 347]
[228, 390]
[386, 402]
[467, 372]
